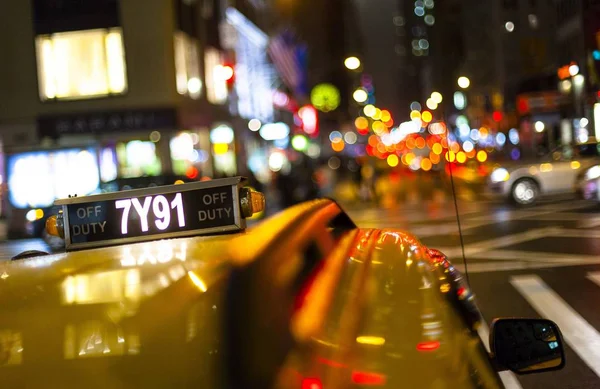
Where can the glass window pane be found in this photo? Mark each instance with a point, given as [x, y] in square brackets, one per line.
[81, 64]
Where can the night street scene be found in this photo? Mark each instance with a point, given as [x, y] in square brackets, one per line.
[307, 194]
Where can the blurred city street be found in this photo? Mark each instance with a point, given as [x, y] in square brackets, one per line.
[542, 261]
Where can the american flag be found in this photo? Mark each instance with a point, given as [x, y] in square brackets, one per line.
[284, 56]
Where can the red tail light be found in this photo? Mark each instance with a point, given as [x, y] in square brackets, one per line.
[312, 383]
[368, 378]
[428, 346]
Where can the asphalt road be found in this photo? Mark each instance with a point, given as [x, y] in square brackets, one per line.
[542, 261]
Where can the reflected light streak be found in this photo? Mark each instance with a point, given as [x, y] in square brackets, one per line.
[368, 378]
[197, 281]
[371, 340]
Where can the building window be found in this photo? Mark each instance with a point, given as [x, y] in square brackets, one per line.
[80, 64]
[187, 65]
[216, 79]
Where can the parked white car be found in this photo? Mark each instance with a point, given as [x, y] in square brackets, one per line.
[556, 173]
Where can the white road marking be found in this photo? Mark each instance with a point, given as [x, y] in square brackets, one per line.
[507, 240]
[578, 333]
[537, 256]
[509, 379]
[486, 267]
[594, 277]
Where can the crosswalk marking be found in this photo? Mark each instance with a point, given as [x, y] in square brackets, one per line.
[508, 378]
[594, 277]
[577, 332]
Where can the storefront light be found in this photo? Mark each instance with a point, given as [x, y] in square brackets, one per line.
[274, 131]
[222, 134]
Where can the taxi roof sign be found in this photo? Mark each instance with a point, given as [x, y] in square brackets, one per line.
[200, 208]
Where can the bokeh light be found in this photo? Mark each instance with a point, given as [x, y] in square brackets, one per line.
[361, 124]
[463, 82]
[437, 97]
[415, 106]
[377, 114]
[420, 142]
[254, 125]
[450, 156]
[426, 116]
[352, 63]
[481, 156]
[299, 142]
[338, 145]
[385, 115]
[461, 157]
[325, 97]
[378, 127]
[350, 138]
[369, 110]
[415, 115]
[360, 95]
[431, 104]
[437, 148]
[335, 135]
[392, 160]
[426, 164]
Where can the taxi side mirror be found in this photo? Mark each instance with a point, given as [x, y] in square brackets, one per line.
[526, 345]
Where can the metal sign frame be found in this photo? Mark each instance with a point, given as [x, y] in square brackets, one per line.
[236, 183]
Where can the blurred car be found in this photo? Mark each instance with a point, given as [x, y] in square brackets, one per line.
[587, 183]
[525, 182]
[165, 279]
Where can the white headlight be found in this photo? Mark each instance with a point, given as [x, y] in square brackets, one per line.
[593, 173]
[499, 175]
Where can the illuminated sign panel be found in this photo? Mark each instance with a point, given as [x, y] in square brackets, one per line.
[146, 214]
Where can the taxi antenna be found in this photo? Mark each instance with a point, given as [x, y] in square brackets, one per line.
[462, 243]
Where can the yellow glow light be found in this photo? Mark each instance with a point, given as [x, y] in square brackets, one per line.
[437, 148]
[409, 158]
[436, 97]
[463, 82]
[426, 164]
[431, 104]
[575, 165]
[197, 281]
[392, 160]
[371, 340]
[461, 157]
[426, 116]
[546, 167]
[378, 127]
[361, 123]
[220, 148]
[450, 156]
[377, 114]
[385, 115]
[369, 110]
[481, 156]
[415, 115]
[360, 95]
[352, 63]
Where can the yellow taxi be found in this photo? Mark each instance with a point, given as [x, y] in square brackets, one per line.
[166, 288]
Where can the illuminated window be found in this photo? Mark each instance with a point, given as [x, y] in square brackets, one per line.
[81, 64]
[137, 159]
[187, 66]
[216, 82]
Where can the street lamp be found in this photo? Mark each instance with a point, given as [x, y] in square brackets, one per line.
[360, 95]
[463, 82]
[352, 63]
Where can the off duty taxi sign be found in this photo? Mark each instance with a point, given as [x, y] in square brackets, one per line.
[155, 213]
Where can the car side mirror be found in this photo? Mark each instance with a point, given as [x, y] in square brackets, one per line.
[526, 345]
